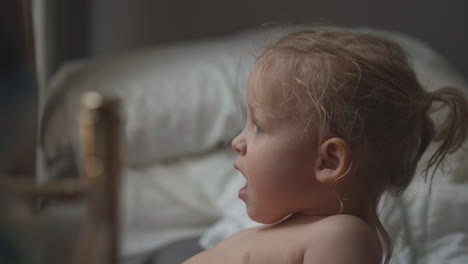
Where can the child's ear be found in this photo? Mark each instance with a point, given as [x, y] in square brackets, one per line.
[333, 160]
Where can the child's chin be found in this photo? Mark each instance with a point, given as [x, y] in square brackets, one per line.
[264, 217]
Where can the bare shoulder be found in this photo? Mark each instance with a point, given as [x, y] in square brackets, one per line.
[344, 225]
[342, 239]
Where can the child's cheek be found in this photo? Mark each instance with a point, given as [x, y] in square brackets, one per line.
[251, 165]
[258, 167]
[254, 168]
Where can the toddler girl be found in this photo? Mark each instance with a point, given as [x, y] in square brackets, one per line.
[335, 119]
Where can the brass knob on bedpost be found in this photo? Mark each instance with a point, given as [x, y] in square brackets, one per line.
[100, 138]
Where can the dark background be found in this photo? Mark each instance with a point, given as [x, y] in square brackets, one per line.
[18, 90]
[87, 28]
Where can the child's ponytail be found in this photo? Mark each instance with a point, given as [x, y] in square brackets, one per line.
[451, 132]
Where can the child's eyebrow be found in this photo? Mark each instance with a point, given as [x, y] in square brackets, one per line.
[251, 109]
[254, 113]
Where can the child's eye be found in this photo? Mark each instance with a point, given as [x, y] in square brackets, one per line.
[258, 129]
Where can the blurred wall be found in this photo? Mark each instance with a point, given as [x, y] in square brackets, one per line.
[18, 98]
[118, 25]
[75, 29]
[61, 32]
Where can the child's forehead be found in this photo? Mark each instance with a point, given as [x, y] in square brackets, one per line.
[269, 100]
[266, 83]
[274, 83]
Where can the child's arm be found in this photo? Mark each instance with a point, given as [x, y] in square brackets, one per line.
[343, 240]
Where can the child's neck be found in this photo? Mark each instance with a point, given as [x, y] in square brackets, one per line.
[362, 213]
[344, 198]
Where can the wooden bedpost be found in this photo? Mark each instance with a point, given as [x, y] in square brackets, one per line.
[100, 165]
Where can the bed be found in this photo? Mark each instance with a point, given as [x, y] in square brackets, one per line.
[181, 74]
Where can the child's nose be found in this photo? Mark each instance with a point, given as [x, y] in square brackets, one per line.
[238, 144]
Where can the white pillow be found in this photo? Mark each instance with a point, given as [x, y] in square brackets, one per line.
[177, 100]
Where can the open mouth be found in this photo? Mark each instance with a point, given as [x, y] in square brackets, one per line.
[243, 191]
